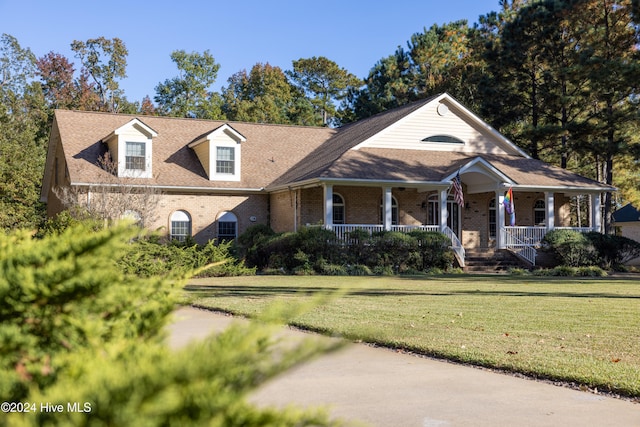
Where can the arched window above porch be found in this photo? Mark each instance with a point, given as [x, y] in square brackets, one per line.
[338, 209]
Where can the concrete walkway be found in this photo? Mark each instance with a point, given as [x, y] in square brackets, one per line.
[381, 387]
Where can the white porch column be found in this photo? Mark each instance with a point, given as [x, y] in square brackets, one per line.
[387, 202]
[596, 213]
[550, 218]
[444, 213]
[328, 206]
[500, 243]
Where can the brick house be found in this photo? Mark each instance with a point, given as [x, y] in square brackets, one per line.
[392, 171]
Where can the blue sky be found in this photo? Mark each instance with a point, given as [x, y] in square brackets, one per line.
[239, 34]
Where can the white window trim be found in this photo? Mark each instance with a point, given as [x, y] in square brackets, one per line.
[122, 157]
[237, 162]
[183, 217]
[133, 131]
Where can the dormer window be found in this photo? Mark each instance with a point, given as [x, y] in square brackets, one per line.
[131, 148]
[135, 158]
[225, 160]
[220, 153]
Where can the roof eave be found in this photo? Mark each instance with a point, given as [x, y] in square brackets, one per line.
[315, 182]
[179, 188]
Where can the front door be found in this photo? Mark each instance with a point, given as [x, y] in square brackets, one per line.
[453, 211]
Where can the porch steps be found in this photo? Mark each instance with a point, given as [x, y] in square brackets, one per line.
[490, 260]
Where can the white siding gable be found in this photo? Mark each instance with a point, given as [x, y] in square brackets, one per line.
[442, 116]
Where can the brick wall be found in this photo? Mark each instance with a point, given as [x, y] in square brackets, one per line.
[282, 211]
[204, 209]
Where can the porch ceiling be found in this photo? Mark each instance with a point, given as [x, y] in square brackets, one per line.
[479, 182]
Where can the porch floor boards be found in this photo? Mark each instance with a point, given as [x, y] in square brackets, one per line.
[490, 260]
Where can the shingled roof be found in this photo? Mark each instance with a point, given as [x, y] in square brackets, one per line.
[627, 213]
[269, 151]
[279, 156]
[320, 161]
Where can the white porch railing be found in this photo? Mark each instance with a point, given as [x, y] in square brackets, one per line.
[408, 228]
[525, 241]
[342, 230]
[521, 241]
[342, 233]
[456, 245]
[578, 229]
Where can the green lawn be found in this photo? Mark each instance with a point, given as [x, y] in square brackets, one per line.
[585, 331]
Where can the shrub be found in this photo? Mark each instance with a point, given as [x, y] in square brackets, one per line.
[149, 257]
[569, 248]
[568, 271]
[75, 328]
[359, 270]
[613, 251]
[394, 251]
[250, 244]
[434, 249]
[64, 294]
[516, 271]
[280, 251]
[333, 270]
[381, 270]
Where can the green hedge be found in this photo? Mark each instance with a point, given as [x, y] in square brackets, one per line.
[149, 257]
[314, 250]
[574, 249]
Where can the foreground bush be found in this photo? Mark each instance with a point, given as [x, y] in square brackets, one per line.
[76, 330]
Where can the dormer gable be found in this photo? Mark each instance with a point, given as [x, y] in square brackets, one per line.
[220, 154]
[131, 148]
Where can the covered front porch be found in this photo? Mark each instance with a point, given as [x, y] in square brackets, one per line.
[480, 222]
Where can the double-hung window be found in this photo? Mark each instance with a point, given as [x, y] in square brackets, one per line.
[225, 160]
[135, 156]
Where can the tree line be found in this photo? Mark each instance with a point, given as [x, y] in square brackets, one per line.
[557, 77]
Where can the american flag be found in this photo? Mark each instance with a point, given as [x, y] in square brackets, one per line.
[458, 196]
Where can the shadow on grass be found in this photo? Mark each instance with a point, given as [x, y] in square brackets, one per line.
[222, 291]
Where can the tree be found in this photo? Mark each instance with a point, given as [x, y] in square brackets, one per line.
[324, 82]
[23, 132]
[116, 199]
[436, 60]
[568, 71]
[188, 94]
[610, 58]
[264, 95]
[17, 67]
[147, 108]
[105, 61]
[60, 86]
[57, 74]
[388, 85]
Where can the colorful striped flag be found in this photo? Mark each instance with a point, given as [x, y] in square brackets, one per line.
[509, 207]
[458, 196]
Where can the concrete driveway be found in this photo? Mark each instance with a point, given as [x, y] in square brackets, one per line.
[381, 387]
